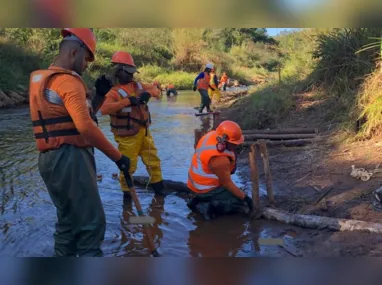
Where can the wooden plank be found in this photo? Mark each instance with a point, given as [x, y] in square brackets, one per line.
[283, 131]
[278, 136]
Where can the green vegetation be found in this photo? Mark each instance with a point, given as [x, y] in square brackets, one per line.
[164, 55]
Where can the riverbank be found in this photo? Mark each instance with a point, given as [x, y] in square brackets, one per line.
[303, 175]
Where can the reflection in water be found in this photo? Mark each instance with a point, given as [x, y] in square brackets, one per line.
[27, 215]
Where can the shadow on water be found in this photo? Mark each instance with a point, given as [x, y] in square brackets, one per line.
[27, 215]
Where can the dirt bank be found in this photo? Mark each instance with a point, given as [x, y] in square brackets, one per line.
[18, 97]
[301, 175]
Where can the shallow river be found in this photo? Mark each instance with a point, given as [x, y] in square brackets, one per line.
[27, 215]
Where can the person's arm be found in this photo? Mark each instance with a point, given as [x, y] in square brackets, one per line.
[73, 95]
[112, 104]
[200, 76]
[221, 167]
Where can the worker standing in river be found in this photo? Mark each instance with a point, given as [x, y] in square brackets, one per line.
[209, 176]
[223, 81]
[126, 104]
[171, 90]
[202, 83]
[62, 118]
[214, 93]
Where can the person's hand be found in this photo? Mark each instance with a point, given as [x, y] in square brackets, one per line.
[194, 88]
[123, 164]
[103, 85]
[144, 97]
[133, 101]
[249, 202]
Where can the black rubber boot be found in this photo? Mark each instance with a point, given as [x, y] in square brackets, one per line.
[159, 188]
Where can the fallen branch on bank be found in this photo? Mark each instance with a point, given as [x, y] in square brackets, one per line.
[279, 136]
[283, 131]
[300, 142]
[318, 222]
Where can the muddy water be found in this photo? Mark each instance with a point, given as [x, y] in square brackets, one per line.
[27, 215]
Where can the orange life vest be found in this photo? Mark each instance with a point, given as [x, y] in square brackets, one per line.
[52, 124]
[170, 86]
[200, 177]
[129, 120]
[204, 82]
[224, 79]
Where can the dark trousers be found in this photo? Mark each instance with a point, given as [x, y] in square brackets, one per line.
[217, 202]
[205, 100]
[69, 174]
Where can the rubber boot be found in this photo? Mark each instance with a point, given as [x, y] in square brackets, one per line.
[159, 188]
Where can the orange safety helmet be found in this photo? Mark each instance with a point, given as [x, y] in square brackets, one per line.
[232, 131]
[123, 57]
[86, 35]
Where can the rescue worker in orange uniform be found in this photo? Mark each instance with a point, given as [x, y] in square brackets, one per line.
[209, 176]
[126, 104]
[223, 81]
[202, 83]
[65, 133]
[171, 90]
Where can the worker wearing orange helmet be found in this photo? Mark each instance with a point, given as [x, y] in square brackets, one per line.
[126, 104]
[215, 92]
[209, 176]
[65, 133]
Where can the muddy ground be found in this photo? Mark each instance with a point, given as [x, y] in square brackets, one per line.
[301, 175]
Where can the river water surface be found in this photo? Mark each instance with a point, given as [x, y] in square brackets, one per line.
[27, 215]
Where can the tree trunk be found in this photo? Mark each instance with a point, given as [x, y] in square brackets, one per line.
[301, 142]
[283, 131]
[279, 136]
[318, 222]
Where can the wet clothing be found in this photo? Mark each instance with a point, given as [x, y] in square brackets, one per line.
[65, 133]
[171, 91]
[140, 142]
[69, 174]
[205, 101]
[217, 202]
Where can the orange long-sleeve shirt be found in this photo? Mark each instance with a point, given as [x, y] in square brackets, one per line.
[112, 103]
[221, 167]
[73, 95]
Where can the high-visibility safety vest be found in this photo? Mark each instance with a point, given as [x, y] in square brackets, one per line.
[129, 120]
[212, 80]
[200, 177]
[52, 124]
[224, 79]
[204, 82]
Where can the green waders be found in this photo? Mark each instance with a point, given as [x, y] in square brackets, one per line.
[69, 174]
[216, 203]
[205, 100]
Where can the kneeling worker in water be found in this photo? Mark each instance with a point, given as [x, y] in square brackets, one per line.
[202, 83]
[209, 176]
[126, 103]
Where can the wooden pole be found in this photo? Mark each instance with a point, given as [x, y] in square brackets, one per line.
[267, 171]
[301, 142]
[283, 131]
[254, 178]
[279, 137]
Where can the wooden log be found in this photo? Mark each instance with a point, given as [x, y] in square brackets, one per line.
[301, 142]
[319, 222]
[171, 186]
[279, 136]
[283, 131]
[267, 171]
[254, 178]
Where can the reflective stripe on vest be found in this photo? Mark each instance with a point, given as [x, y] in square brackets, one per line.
[199, 168]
